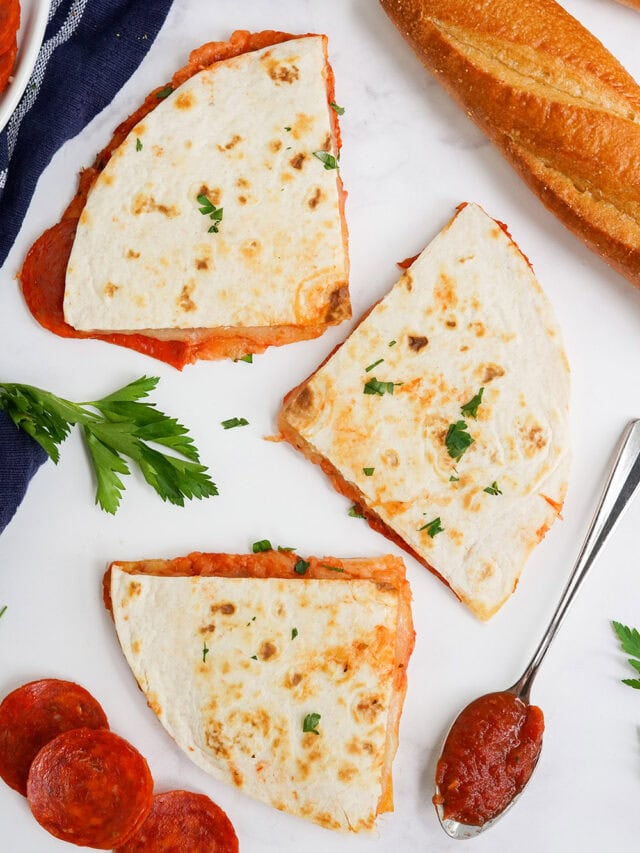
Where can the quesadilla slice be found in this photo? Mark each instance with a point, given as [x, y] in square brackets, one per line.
[444, 416]
[282, 676]
[213, 224]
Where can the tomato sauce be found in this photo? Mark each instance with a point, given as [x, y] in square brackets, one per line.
[488, 757]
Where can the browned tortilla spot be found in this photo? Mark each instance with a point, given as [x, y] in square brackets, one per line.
[184, 301]
[297, 162]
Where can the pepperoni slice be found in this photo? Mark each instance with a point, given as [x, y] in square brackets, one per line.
[183, 822]
[36, 713]
[7, 61]
[91, 788]
[9, 23]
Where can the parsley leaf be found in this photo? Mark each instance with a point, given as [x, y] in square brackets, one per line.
[3, 611]
[288, 129]
[493, 489]
[164, 93]
[373, 386]
[453, 479]
[262, 545]
[207, 208]
[458, 440]
[332, 568]
[354, 512]
[138, 145]
[337, 108]
[301, 567]
[392, 343]
[254, 657]
[310, 723]
[330, 162]
[114, 428]
[375, 364]
[285, 550]
[368, 471]
[433, 527]
[470, 409]
[294, 633]
[630, 642]
[234, 422]
[205, 651]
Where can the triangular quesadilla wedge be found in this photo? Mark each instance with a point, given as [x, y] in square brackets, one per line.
[282, 676]
[444, 416]
[212, 225]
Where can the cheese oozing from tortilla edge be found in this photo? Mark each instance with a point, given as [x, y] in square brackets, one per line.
[240, 718]
[468, 314]
[143, 257]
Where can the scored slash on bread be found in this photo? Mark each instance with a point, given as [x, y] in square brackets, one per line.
[284, 677]
[558, 105]
[444, 416]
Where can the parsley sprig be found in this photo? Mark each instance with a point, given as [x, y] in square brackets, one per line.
[458, 440]
[207, 208]
[310, 723]
[470, 409]
[374, 386]
[115, 428]
[433, 527]
[330, 162]
[630, 642]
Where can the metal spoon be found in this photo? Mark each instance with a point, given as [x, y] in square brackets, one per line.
[622, 482]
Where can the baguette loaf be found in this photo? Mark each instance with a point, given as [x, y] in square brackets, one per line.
[560, 107]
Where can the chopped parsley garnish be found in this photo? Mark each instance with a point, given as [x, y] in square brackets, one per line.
[470, 409]
[373, 386]
[493, 489]
[433, 527]
[375, 364]
[458, 440]
[138, 145]
[205, 652]
[234, 422]
[262, 545]
[285, 550]
[332, 568]
[248, 358]
[453, 479]
[164, 93]
[2, 612]
[337, 108]
[630, 642]
[301, 567]
[368, 471]
[328, 159]
[354, 512]
[392, 343]
[253, 619]
[288, 129]
[116, 429]
[254, 657]
[207, 208]
[310, 723]
[294, 633]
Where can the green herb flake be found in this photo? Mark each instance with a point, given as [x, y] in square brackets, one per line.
[254, 657]
[354, 512]
[301, 567]
[453, 479]
[262, 545]
[3, 611]
[138, 145]
[630, 642]
[116, 428]
[294, 633]
[458, 440]
[285, 550]
[392, 343]
[330, 162]
[253, 619]
[248, 358]
[288, 129]
[493, 489]
[164, 93]
[433, 527]
[470, 409]
[337, 108]
[310, 723]
[207, 208]
[373, 386]
[375, 364]
[234, 422]
[368, 471]
[332, 568]
[205, 652]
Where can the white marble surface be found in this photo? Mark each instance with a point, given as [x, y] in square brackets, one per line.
[409, 157]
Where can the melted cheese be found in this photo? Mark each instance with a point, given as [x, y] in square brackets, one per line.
[143, 257]
[468, 313]
[240, 718]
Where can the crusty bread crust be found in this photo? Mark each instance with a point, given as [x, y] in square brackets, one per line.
[559, 106]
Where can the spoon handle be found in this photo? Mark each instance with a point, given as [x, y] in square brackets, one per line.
[622, 481]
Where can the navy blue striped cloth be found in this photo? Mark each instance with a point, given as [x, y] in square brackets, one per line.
[90, 49]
